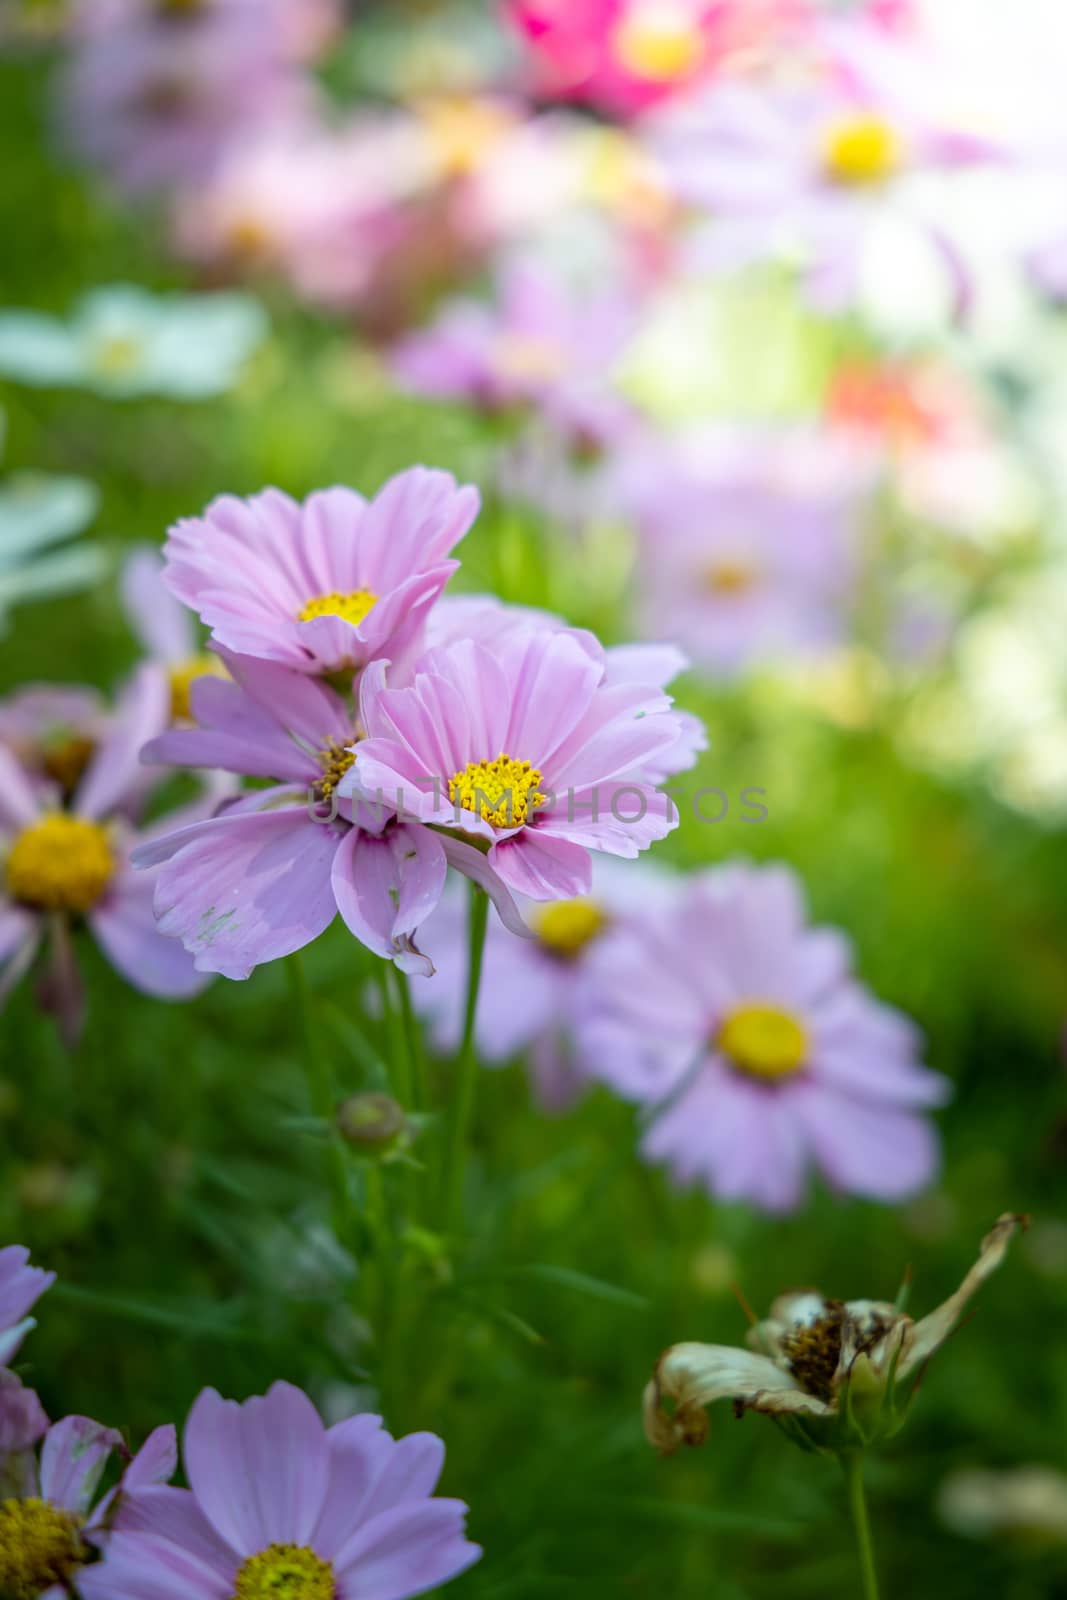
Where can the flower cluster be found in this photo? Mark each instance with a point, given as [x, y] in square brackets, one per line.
[277, 1502]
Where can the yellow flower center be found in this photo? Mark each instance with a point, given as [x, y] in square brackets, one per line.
[730, 577]
[336, 761]
[40, 1547]
[183, 674]
[862, 150]
[764, 1041]
[353, 606]
[285, 1572]
[59, 864]
[659, 41]
[567, 926]
[116, 355]
[500, 791]
[525, 358]
[65, 759]
[813, 1351]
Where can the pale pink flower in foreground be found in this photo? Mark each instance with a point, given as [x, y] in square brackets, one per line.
[278, 1503]
[845, 1371]
[326, 586]
[754, 1052]
[807, 170]
[270, 873]
[21, 1286]
[50, 1530]
[65, 867]
[526, 748]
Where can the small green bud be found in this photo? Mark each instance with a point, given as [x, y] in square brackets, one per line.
[373, 1124]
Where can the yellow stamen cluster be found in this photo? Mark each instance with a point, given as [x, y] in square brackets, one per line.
[65, 759]
[336, 761]
[60, 863]
[116, 355]
[183, 674]
[40, 1547]
[764, 1041]
[502, 792]
[862, 150]
[567, 926]
[728, 577]
[659, 41]
[352, 607]
[285, 1572]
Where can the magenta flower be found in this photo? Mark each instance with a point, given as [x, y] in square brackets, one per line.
[62, 867]
[269, 873]
[527, 748]
[755, 1052]
[625, 55]
[279, 1504]
[20, 1287]
[50, 1530]
[539, 344]
[747, 556]
[326, 586]
[808, 168]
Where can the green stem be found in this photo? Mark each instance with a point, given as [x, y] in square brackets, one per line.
[400, 1060]
[413, 1034]
[462, 1103]
[857, 1505]
[321, 1093]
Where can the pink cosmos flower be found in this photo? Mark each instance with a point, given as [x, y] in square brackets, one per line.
[747, 554]
[155, 89]
[50, 1530]
[278, 1503]
[810, 169]
[540, 345]
[269, 873]
[66, 866]
[625, 55]
[526, 748]
[23, 1422]
[755, 1052]
[326, 586]
[20, 1287]
[52, 730]
[532, 991]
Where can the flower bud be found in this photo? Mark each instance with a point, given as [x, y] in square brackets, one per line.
[373, 1124]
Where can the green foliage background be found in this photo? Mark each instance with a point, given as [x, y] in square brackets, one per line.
[157, 1170]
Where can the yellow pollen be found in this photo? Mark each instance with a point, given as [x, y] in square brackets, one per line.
[502, 792]
[285, 1572]
[40, 1547]
[65, 759]
[730, 577]
[658, 41]
[525, 358]
[764, 1041]
[567, 926]
[336, 761]
[353, 607]
[862, 150]
[59, 864]
[183, 674]
[116, 355]
[249, 237]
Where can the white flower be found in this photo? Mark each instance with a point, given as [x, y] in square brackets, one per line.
[836, 1372]
[37, 513]
[124, 341]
